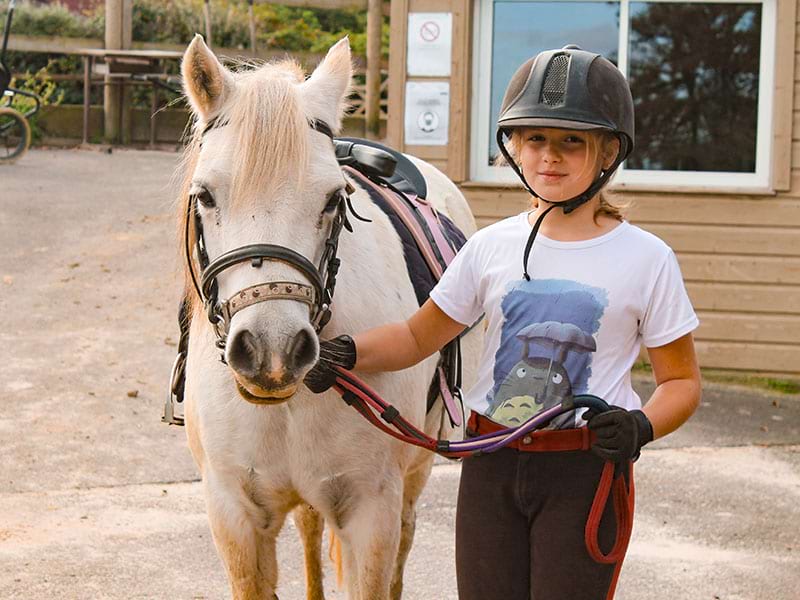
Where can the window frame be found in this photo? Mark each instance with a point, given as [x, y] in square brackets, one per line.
[760, 181]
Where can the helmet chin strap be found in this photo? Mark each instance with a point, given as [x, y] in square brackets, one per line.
[566, 205]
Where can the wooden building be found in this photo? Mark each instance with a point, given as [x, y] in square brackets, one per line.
[718, 139]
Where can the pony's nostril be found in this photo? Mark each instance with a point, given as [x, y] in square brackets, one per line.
[301, 350]
[244, 353]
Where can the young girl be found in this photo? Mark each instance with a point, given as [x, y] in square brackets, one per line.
[565, 316]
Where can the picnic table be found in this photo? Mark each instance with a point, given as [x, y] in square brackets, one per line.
[143, 67]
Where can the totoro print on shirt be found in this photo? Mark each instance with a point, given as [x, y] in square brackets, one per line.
[545, 351]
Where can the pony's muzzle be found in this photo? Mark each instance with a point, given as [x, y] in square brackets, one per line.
[269, 371]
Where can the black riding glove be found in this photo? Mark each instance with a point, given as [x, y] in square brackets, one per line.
[620, 433]
[340, 352]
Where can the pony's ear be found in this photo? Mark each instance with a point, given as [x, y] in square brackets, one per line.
[326, 91]
[205, 80]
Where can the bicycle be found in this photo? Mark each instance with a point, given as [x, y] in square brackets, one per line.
[15, 129]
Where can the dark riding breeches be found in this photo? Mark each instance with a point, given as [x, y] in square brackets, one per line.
[520, 528]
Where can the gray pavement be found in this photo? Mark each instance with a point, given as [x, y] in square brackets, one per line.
[98, 499]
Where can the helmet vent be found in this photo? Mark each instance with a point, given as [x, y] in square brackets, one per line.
[555, 81]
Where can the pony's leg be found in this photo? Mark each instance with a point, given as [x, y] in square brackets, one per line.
[244, 533]
[350, 572]
[310, 524]
[372, 538]
[412, 488]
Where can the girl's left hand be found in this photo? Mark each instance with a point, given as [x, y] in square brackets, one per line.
[620, 433]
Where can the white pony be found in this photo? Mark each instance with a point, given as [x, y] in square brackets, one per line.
[265, 445]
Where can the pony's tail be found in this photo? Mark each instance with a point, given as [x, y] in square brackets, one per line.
[335, 555]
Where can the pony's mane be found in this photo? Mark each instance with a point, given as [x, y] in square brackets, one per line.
[270, 130]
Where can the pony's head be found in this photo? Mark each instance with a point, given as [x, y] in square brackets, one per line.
[263, 194]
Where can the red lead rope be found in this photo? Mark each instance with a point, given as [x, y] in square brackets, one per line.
[623, 511]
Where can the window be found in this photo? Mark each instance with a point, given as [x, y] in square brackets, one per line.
[701, 73]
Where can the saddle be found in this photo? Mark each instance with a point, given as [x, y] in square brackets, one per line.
[372, 158]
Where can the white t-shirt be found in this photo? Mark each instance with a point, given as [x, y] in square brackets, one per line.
[575, 328]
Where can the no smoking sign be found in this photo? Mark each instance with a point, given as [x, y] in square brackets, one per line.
[429, 44]
[429, 32]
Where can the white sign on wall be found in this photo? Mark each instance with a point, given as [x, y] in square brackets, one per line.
[427, 112]
[430, 37]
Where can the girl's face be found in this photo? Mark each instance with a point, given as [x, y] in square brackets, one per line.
[559, 164]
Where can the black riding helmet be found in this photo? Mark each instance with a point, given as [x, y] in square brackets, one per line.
[569, 89]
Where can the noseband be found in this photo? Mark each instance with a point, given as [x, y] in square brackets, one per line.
[318, 296]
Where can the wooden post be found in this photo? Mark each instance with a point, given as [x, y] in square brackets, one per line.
[373, 99]
[112, 96]
[460, 98]
[207, 18]
[252, 18]
[153, 112]
[87, 95]
[397, 73]
[126, 109]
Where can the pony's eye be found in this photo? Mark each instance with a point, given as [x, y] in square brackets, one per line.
[203, 196]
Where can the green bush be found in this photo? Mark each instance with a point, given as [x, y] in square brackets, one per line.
[39, 83]
[294, 29]
[52, 20]
[279, 27]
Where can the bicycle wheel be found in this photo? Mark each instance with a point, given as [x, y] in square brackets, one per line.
[15, 135]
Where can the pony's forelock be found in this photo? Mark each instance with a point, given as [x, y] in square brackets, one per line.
[270, 128]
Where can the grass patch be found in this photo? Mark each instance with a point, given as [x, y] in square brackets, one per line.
[772, 384]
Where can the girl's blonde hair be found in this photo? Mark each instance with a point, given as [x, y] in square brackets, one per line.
[597, 142]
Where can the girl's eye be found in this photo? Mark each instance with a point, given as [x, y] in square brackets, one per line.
[536, 138]
[573, 139]
[203, 196]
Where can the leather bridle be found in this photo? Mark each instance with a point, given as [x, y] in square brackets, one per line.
[318, 296]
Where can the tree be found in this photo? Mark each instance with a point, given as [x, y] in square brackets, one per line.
[694, 73]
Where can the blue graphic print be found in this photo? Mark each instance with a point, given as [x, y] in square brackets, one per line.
[546, 346]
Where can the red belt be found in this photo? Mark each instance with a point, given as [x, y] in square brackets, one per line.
[561, 440]
[564, 440]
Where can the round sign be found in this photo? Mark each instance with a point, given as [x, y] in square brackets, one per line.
[429, 31]
[428, 121]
